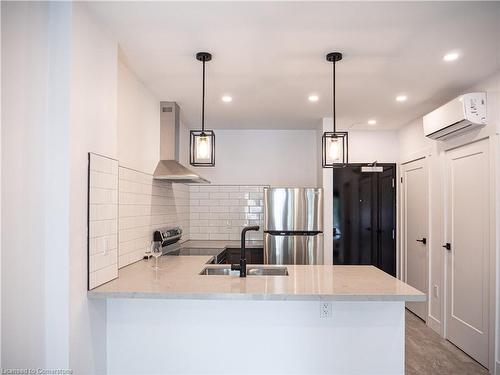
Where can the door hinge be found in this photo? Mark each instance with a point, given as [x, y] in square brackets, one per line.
[393, 183]
[393, 234]
[401, 179]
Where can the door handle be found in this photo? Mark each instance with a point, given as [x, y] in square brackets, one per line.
[423, 240]
[447, 246]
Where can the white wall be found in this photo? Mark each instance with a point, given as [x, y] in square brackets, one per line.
[412, 142]
[59, 84]
[35, 167]
[93, 129]
[274, 157]
[138, 123]
[369, 146]
[57, 187]
[414, 145]
[23, 82]
[364, 147]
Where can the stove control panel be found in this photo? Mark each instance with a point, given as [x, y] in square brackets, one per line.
[168, 235]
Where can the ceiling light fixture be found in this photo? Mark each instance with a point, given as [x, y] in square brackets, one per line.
[451, 56]
[401, 98]
[334, 144]
[372, 122]
[227, 99]
[313, 98]
[202, 142]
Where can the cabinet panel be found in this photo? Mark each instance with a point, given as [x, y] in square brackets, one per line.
[253, 255]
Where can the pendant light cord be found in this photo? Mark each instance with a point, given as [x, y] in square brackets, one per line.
[203, 101]
[334, 111]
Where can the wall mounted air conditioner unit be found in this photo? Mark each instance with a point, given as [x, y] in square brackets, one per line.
[465, 113]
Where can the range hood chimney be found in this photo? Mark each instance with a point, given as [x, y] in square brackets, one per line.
[169, 168]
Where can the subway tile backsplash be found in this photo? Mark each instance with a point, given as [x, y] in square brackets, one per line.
[103, 220]
[219, 212]
[127, 206]
[144, 206]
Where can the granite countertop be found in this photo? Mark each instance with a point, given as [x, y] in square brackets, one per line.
[179, 278]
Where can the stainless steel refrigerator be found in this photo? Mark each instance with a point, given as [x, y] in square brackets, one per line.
[293, 225]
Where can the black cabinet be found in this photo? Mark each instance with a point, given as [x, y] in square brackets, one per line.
[254, 255]
[233, 256]
[257, 255]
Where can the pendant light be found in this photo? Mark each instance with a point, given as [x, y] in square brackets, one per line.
[334, 144]
[202, 142]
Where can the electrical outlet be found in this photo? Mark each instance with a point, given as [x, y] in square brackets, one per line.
[325, 310]
[436, 291]
[104, 245]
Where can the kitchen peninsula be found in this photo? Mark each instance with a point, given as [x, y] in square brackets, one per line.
[317, 319]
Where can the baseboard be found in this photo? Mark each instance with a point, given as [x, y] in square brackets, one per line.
[435, 325]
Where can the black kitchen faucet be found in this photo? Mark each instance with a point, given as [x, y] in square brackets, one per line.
[242, 267]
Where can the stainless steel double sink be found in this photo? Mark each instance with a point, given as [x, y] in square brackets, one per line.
[251, 271]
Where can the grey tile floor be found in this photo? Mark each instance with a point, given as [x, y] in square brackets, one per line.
[428, 353]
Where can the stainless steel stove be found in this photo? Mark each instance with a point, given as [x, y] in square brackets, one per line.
[170, 238]
[218, 254]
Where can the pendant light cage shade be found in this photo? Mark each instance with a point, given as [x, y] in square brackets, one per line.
[202, 148]
[202, 142]
[334, 145]
[335, 151]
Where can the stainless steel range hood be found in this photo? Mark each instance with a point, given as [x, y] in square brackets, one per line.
[169, 168]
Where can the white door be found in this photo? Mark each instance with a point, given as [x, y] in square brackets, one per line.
[414, 224]
[467, 232]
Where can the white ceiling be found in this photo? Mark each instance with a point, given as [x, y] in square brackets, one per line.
[270, 56]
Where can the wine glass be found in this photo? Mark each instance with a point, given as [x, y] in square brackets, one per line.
[149, 250]
[157, 252]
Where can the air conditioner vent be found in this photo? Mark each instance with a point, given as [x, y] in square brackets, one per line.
[463, 114]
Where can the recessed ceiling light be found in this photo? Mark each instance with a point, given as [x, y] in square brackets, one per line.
[401, 98]
[313, 98]
[372, 122]
[227, 99]
[451, 56]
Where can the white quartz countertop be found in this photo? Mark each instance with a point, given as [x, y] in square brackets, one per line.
[211, 244]
[179, 278]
